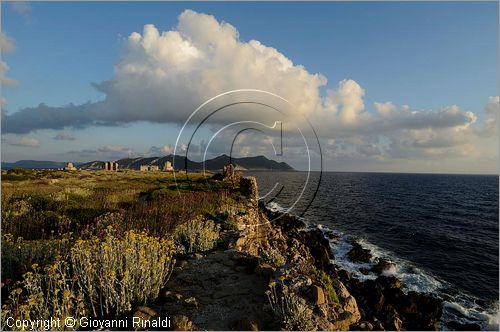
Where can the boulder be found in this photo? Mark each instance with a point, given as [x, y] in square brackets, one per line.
[318, 295]
[382, 265]
[343, 322]
[362, 326]
[181, 323]
[342, 291]
[350, 305]
[146, 310]
[384, 298]
[331, 235]
[420, 311]
[359, 254]
[391, 318]
[265, 270]
[318, 246]
[144, 313]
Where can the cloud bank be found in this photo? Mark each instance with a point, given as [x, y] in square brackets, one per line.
[23, 142]
[163, 76]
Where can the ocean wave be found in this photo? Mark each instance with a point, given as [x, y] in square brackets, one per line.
[457, 306]
[465, 310]
[452, 236]
[461, 308]
[275, 207]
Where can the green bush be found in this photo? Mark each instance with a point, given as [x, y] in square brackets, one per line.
[15, 177]
[41, 202]
[273, 256]
[18, 255]
[85, 216]
[325, 281]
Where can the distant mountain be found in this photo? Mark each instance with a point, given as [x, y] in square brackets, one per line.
[35, 164]
[247, 163]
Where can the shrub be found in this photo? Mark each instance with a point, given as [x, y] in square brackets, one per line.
[37, 225]
[116, 272]
[226, 220]
[197, 235]
[17, 174]
[43, 295]
[289, 309]
[273, 256]
[15, 177]
[18, 255]
[33, 216]
[231, 224]
[162, 215]
[101, 225]
[84, 216]
[12, 208]
[41, 202]
[326, 282]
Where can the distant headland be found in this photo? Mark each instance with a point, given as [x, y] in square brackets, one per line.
[217, 163]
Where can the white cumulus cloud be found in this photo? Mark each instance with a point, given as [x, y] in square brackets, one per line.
[162, 76]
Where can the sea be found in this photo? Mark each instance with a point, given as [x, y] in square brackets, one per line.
[440, 230]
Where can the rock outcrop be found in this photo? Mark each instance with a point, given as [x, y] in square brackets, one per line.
[273, 273]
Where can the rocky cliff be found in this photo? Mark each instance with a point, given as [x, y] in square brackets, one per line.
[272, 273]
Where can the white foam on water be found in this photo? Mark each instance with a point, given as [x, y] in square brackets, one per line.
[459, 308]
[467, 311]
[275, 207]
[462, 308]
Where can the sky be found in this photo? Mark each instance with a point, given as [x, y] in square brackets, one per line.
[394, 87]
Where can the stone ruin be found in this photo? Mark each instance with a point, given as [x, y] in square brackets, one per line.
[230, 175]
[248, 187]
[69, 167]
[148, 168]
[110, 166]
[168, 167]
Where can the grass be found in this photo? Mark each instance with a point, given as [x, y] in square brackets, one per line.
[325, 281]
[97, 243]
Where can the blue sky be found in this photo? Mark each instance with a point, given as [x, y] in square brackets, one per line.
[425, 55]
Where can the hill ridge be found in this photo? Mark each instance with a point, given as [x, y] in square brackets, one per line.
[216, 163]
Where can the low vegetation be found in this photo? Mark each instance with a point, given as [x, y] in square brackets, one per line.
[273, 256]
[289, 309]
[99, 243]
[197, 235]
[324, 280]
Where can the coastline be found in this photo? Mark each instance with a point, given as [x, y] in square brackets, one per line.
[240, 267]
[359, 263]
[382, 303]
[295, 261]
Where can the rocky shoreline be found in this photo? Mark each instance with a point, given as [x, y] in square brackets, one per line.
[282, 275]
[382, 303]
